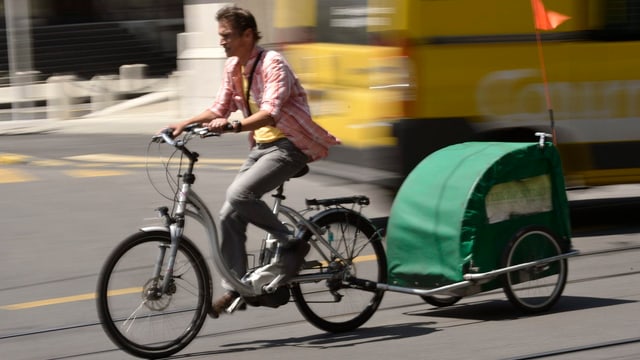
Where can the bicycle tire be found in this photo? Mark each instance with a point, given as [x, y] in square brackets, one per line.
[152, 327]
[441, 300]
[332, 305]
[537, 288]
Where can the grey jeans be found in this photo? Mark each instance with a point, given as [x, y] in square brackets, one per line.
[268, 166]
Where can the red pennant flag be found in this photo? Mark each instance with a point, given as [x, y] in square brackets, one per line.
[546, 20]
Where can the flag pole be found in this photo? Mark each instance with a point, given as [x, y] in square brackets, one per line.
[546, 20]
[545, 82]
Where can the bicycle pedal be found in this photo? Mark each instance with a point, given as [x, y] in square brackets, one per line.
[237, 304]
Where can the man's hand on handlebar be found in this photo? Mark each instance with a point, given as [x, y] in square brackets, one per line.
[164, 135]
[171, 132]
[220, 125]
[177, 128]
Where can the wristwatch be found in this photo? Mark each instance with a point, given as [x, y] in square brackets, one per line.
[237, 125]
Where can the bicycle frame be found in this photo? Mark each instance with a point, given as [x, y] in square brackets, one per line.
[187, 196]
[203, 216]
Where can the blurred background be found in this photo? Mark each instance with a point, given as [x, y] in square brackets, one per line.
[394, 79]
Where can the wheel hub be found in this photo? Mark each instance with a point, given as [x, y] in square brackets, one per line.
[153, 297]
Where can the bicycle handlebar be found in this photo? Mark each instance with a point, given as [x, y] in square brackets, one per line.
[166, 135]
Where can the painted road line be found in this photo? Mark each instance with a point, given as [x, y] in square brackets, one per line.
[108, 158]
[130, 159]
[51, 162]
[93, 165]
[87, 173]
[8, 176]
[67, 299]
[357, 259]
[11, 159]
[126, 291]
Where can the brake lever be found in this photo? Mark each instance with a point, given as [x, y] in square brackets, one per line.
[156, 139]
[166, 136]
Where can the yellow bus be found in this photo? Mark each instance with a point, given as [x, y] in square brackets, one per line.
[399, 79]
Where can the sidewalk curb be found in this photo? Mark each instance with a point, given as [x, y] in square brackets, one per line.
[26, 127]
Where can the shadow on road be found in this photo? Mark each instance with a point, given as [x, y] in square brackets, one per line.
[500, 310]
[323, 340]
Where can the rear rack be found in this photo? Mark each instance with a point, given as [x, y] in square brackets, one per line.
[358, 199]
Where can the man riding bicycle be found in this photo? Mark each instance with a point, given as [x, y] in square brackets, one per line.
[283, 137]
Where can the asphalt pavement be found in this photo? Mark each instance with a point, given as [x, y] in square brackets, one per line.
[147, 119]
[151, 117]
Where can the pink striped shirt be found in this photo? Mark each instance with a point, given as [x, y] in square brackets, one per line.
[278, 91]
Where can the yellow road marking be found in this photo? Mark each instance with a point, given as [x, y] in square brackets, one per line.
[231, 168]
[95, 173]
[67, 299]
[14, 176]
[125, 291]
[111, 158]
[8, 158]
[92, 165]
[108, 158]
[50, 162]
[358, 259]
[365, 258]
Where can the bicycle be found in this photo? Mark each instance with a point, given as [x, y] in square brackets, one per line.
[155, 288]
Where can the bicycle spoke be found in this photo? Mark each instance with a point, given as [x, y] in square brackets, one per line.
[133, 316]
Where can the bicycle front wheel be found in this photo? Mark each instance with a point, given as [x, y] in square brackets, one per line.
[335, 305]
[135, 313]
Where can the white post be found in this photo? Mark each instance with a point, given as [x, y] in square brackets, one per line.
[132, 76]
[200, 57]
[103, 93]
[59, 101]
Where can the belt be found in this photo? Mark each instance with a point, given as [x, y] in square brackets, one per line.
[270, 144]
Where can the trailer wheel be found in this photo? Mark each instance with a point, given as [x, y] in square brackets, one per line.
[538, 287]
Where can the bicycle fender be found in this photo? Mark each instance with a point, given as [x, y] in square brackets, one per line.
[154, 228]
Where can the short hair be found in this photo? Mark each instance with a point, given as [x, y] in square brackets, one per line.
[240, 20]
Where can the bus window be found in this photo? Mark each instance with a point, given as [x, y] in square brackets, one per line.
[622, 20]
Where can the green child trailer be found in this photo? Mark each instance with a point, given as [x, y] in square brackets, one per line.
[478, 216]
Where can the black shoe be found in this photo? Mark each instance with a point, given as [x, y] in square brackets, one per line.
[220, 305]
[292, 257]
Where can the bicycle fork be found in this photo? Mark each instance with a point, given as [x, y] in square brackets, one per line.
[176, 229]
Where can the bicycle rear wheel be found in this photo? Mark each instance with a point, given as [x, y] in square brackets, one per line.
[135, 314]
[335, 305]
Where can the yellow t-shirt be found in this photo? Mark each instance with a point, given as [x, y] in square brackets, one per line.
[265, 134]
